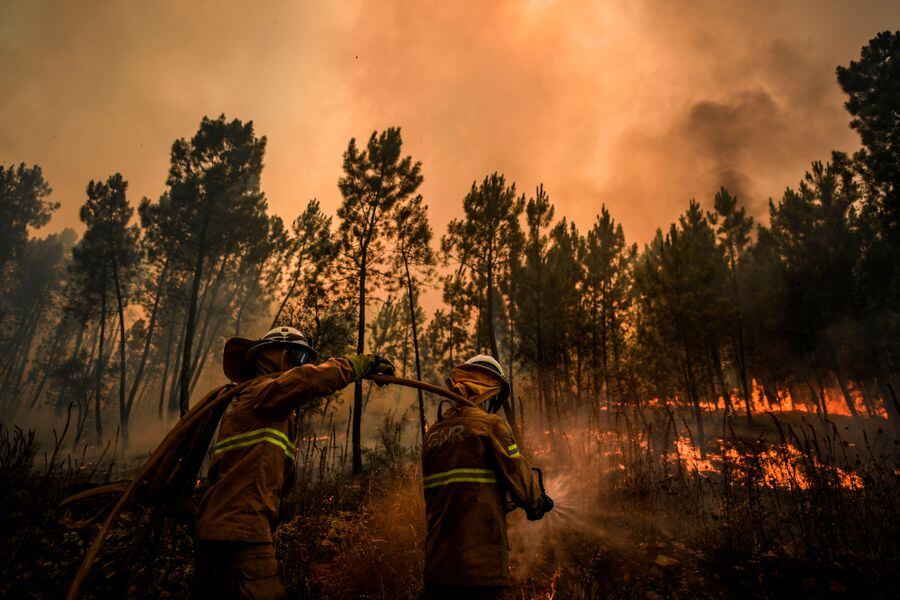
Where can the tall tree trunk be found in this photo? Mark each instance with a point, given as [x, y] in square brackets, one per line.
[165, 376]
[595, 350]
[10, 352]
[149, 337]
[204, 353]
[511, 361]
[173, 383]
[694, 394]
[539, 339]
[357, 388]
[822, 395]
[184, 380]
[740, 344]
[720, 377]
[865, 389]
[205, 307]
[845, 392]
[13, 390]
[617, 360]
[204, 339]
[741, 363]
[98, 376]
[415, 340]
[604, 353]
[16, 358]
[495, 351]
[123, 409]
[842, 384]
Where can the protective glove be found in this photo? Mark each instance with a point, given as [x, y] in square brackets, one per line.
[365, 365]
[546, 506]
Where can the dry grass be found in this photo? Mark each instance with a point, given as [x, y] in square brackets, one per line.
[786, 507]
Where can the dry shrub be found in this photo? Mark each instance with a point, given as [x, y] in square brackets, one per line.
[376, 552]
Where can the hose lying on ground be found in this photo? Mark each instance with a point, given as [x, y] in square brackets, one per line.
[169, 475]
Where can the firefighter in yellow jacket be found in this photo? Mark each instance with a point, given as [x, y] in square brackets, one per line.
[472, 469]
[252, 459]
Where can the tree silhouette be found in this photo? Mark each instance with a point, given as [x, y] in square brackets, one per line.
[214, 209]
[375, 180]
[23, 204]
[107, 255]
[607, 290]
[480, 244]
[413, 258]
[310, 244]
[872, 85]
[733, 229]
[41, 264]
[533, 294]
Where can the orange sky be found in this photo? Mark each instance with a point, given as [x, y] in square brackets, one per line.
[637, 104]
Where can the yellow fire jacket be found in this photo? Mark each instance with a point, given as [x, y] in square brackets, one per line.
[254, 451]
[470, 461]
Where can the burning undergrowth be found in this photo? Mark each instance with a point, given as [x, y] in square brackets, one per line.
[781, 506]
[786, 505]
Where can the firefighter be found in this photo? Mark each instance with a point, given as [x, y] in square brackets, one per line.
[252, 458]
[473, 473]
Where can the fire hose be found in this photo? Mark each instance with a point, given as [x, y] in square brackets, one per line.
[167, 466]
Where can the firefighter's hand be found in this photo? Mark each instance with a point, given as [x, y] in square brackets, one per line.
[366, 365]
[546, 506]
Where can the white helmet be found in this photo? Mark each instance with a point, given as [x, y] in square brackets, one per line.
[288, 337]
[237, 358]
[489, 364]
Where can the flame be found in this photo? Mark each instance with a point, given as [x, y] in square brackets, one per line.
[689, 454]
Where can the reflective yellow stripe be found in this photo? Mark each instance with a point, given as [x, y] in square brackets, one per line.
[245, 443]
[459, 476]
[266, 434]
[441, 482]
[482, 472]
[254, 433]
[513, 451]
[512, 448]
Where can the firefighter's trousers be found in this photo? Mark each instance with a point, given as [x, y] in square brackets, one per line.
[236, 571]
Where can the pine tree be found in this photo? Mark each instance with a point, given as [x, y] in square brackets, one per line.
[23, 204]
[310, 244]
[375, 180]
[413, 265]
[213, 210]
[105, 258]
[479, 244]
[606, 289]
[733, 228]
[533, 295]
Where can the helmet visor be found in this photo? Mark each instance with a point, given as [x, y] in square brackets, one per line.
[299, 355]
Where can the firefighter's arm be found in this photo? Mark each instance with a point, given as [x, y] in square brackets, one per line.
[295, 387]
[519, 480]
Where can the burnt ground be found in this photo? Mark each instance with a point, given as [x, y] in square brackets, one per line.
[626, 527]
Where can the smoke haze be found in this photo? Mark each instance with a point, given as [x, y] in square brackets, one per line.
[638, 105]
